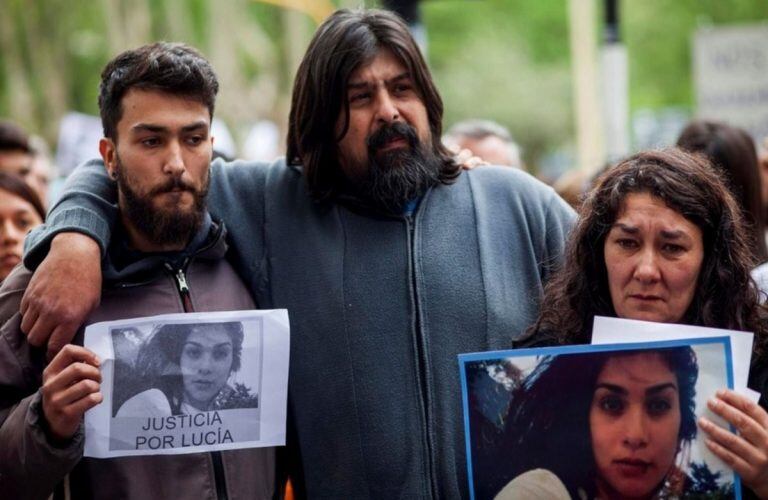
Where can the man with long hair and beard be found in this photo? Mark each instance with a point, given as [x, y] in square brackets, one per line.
[390, 259]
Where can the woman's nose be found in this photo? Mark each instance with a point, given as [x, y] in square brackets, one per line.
[635, 430]
[647, 267]
[9, 235]
[204, 366]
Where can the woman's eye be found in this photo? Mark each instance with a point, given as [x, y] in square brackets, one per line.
[24, 223]
[192, 352]
[627, 243]
[673, 248]
[612, 404]
[220, 354]
[659, 406]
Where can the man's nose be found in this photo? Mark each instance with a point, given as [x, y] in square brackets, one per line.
[387, 111]
[174, 160]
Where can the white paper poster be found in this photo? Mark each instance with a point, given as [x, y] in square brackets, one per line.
[618, 331]
[188, 383]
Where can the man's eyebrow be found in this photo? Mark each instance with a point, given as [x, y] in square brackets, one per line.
[358, 85]
[160, 129]
[148, 127]
[364, 84]
[402, 76]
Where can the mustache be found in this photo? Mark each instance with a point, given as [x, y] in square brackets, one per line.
[391, 132]
[174, 183]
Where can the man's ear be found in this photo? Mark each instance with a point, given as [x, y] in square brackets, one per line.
[108, 152]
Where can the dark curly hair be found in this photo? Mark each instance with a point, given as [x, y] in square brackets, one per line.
[159, 360]
[552, 405]
[725, 296]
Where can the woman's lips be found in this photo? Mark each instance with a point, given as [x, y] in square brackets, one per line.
[630, 467]
[10, 260]
[644, 297]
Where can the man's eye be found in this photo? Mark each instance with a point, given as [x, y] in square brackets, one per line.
[195, 140]
[402, 87]
[359, 97]
[150, 142]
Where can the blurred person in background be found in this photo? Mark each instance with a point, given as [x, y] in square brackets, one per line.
[20, 211]
[486, 139]
[763, 162]
[42, 169]
[732, 151]
[18, 156]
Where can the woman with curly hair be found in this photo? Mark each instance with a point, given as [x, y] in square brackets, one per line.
[185, 369]
[660, 238]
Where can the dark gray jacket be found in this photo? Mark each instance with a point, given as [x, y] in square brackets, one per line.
[31, 465]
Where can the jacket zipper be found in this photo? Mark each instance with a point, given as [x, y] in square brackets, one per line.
[186, 301]
[421, 345]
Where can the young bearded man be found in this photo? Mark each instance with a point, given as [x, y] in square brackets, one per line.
[166, 256]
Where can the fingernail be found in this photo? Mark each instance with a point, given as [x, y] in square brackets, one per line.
[713, 402]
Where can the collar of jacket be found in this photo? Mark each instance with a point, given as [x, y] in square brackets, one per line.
[124, 266]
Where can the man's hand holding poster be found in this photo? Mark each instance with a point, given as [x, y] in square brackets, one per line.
[186, 383]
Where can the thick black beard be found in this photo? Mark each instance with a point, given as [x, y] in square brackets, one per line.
[162, 227]
[396, 177]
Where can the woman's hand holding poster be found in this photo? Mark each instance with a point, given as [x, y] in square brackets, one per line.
[599, 421]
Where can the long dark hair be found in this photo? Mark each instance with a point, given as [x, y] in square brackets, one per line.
[725, 297]
[547, 426]
[17, 186]
[733, 151]
[346, 40]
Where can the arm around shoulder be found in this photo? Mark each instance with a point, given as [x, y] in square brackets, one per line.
[88, 205]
